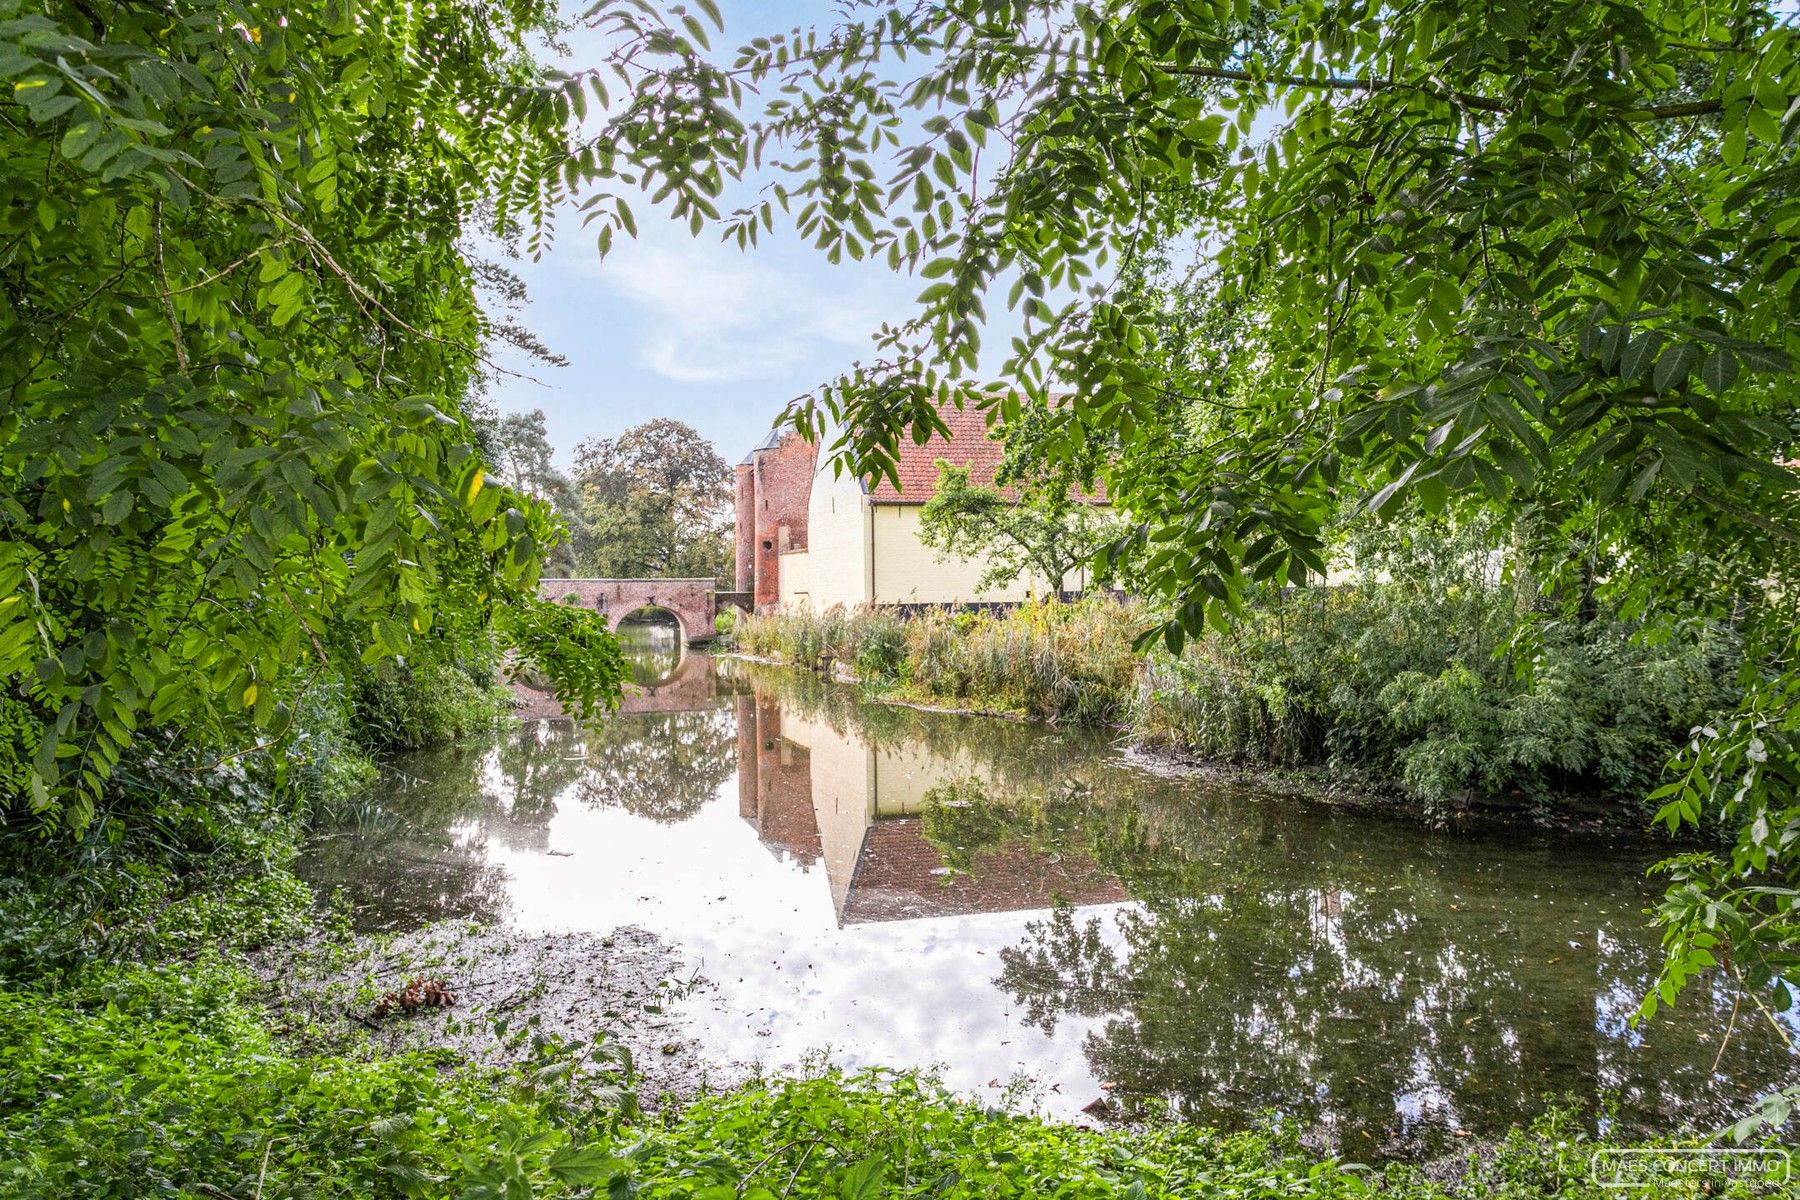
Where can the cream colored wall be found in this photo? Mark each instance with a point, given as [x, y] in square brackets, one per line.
[795, 571]
[838, 543]
[909, 572]
[843, 796]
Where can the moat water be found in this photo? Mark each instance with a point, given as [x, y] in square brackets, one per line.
[1012, 903]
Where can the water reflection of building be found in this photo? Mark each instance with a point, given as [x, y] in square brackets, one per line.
[824, 794]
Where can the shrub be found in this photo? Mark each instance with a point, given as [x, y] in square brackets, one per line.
[883, 1133]
[157, 1081]
[1435, 678]
[1069, 661]
[442, 693]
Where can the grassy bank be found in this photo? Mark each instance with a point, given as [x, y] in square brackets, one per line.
[1046, 660]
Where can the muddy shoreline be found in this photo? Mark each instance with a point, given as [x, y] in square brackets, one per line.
[619, 989]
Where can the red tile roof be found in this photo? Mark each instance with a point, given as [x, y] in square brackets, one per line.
[969, 445]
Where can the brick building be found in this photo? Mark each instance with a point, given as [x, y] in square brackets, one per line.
[774, 487]
[808, 538]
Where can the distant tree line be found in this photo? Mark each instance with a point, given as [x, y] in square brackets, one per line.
[654, 501]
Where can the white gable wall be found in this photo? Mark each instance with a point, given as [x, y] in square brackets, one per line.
[837, 553]
[860, 553]
[909, 572]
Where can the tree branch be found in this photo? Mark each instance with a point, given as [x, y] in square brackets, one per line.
[162, 281]
[1775, 528]
[1343, 83]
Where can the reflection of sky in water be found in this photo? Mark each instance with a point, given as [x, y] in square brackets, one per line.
[789, 979]
[1390, 984]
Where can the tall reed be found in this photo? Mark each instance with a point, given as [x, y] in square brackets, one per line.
[1069, 661]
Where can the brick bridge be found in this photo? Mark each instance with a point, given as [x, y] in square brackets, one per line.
[692, 602]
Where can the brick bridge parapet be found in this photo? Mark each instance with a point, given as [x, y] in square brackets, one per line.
[693, 602]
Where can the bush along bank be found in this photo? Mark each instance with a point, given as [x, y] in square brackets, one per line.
[1440, 689]
[137, 1054]
[1043, 659]
[1568, 714]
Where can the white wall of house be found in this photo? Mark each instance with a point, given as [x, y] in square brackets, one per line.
[795, 577]
[859, 552]
[907, 571]
[837, 523]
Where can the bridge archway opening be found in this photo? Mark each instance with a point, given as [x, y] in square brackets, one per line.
[655, 644]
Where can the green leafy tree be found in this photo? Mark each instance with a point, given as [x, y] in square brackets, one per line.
[519, 446]
[653, 502]
[236, 333]
[1043, 538]
[1531, 261]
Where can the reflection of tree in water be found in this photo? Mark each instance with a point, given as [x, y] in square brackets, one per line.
[413, 848]
[538, 763]
[653, 650]
[1389, 985]
[663, 766]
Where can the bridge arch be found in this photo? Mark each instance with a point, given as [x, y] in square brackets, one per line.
[690, 601]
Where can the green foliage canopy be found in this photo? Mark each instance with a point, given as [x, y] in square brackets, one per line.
[654, 501]
[236, 330]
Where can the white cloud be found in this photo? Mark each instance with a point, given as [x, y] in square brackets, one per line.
[707, 314]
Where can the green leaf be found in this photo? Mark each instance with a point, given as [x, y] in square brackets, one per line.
[1640, 354]
[79, 138]
[581, 1166]
[1673, 368]
[1719, 371]
[863, 1180]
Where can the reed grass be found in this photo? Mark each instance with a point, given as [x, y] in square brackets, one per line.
[1050, 659]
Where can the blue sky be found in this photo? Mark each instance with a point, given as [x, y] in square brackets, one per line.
[686, 327]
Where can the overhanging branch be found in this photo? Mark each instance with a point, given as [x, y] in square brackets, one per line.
[1350, 83]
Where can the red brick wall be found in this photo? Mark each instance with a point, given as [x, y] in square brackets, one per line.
[783, 488]
[784, 807]
[746, 525]
[746, 757]
[691, 688]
